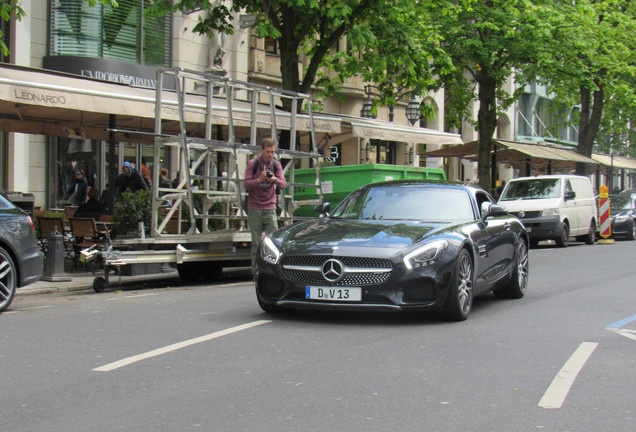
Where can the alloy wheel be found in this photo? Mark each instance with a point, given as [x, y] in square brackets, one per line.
[7, 280]
[465, 286]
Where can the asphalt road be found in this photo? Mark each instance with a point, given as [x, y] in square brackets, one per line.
[206, 358]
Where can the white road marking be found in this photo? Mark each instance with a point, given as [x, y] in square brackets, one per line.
[560, 387]
[26, 309]
[631, 334]
[131, 296]
[130, 360]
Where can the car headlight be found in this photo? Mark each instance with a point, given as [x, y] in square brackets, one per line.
[425, 255]
[550, 212]
[620, 218]
[269, 251]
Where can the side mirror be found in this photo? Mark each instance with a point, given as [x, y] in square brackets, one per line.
[492, 209]
[323, 209]
[570, 195]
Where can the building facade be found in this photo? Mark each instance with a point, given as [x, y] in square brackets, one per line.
[72, 48]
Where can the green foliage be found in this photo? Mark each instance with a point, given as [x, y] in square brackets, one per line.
[385, 39]
[130, 209]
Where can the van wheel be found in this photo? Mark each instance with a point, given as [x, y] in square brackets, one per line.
[564, 240]
[590, 237]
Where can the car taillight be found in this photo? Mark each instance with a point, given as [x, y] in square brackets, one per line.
[31, 222]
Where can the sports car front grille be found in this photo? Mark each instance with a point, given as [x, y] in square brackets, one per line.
[358, 270]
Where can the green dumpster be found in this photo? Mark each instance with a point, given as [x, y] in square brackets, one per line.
[340, 181]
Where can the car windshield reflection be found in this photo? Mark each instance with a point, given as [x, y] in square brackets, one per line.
[406, 203]
[532, 189]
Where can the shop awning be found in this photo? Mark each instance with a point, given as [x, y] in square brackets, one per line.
[52, 103]
[390, 131]
[469, 150]
[544, 152]
[513, 152]
[618, 162]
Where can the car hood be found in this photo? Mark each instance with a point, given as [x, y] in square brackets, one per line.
[530, 204]
[354, 237]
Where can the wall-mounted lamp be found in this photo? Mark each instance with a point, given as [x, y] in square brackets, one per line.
[413, 113]
[367, 109]
[247, 21]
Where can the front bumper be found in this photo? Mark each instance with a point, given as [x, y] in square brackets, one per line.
[543, 227]
[418, 289]
[623, 228]
[30, 263]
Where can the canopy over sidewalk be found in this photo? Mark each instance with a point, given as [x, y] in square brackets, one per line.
[518, 154]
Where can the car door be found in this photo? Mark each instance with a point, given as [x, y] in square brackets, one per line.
[495, 247]
[571, 211]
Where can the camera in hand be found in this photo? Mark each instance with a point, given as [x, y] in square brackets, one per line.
[270, 174]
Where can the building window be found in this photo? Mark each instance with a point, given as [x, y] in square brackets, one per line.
[271, 46]
[101, 31]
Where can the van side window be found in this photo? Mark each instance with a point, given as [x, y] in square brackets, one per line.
[569, 192]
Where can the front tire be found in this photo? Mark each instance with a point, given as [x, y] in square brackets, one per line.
[631, 234]
[8, 279]
[590, 237]
[460, 297]
[270, 308]
[189, 271]
[516, 288]
[564, 240]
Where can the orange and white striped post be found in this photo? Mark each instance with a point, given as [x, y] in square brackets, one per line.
[605, 219]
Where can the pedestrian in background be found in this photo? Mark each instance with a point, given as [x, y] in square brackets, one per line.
[128, 179]
[263, 176]
[78, 189]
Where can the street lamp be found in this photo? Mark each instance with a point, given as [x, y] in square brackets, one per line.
[413, 113]
[367, 109]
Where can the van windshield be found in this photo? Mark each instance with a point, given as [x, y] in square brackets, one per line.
[532, 189]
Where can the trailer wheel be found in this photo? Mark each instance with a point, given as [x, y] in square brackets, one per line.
[189, 272]
[211, 271]
[99, 284]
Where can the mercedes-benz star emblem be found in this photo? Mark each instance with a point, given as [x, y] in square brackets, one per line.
[333, 270]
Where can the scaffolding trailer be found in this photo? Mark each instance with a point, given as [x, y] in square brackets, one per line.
[200, 224]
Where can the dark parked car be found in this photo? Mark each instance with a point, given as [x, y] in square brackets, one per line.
[399, 245]
[623, 214]
[20, 256]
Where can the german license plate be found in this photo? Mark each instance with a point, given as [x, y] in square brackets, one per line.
[333, 293]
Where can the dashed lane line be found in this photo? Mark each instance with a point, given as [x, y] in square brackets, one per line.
[137, 358]
[555, 395]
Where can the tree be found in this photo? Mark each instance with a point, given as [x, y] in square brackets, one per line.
[594, 65]
[384, 39]
[11, 10]
[490, 42]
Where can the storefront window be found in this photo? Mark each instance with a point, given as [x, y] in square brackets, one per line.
[382, 152]
[101, 31]
[70, 155]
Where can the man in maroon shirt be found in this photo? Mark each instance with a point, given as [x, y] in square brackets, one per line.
[263, 176]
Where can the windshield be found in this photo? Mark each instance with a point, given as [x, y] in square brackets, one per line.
[621, 202]
[406, 203]
[532, 189]
[5, 203]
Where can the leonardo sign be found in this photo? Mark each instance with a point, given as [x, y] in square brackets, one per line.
[30, 96]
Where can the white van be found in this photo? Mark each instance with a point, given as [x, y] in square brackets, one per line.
[553, 207]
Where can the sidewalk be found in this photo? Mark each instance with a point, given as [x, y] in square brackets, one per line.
[82, 280]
